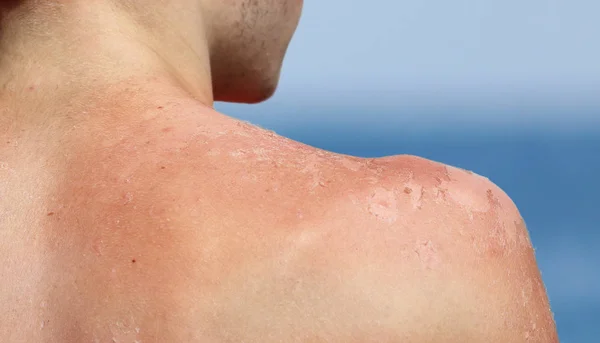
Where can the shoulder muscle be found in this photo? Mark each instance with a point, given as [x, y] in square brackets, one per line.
[453, 243]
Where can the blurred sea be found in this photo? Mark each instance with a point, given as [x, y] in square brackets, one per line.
[553, 178]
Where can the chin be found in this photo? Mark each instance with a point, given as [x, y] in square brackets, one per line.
[248, 94]
[263, 95]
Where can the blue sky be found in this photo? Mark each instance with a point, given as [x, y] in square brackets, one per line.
[468, 55]
[464, 43]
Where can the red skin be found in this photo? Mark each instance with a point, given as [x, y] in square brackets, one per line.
[162, 220]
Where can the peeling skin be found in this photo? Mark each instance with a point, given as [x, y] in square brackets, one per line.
[504, 229]
[350, 163]
[312, 169]
[499, 240]
[465, 170]
[372, 180]
[483, 204]
[383, 204]
[487, 213]
[213, 152]
[245, 129]
[374, 166]
[260, 154]
[466, 197]
[238, 153]
[415, 191]
[418, 184]
[427, 254]
[522, 234]
[465, 190]
[125, 331]
[440, 191]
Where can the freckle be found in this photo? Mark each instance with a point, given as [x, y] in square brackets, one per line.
[160, 107]
[50, 213]
[407, 190]
[31, 88]
[162, 167]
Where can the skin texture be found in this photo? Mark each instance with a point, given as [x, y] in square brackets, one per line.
[131, 211]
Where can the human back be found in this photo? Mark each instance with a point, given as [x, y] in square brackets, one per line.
[132, 211]
[188, 230]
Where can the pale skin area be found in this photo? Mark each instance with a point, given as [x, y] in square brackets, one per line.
[131, 211]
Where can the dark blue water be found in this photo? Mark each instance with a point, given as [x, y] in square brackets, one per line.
[553, 179]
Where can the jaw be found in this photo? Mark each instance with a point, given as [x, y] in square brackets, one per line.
[249, 87]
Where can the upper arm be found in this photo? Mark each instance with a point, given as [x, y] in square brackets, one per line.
[462, 253]
[522, 308]
[493, 259]
[507, 288]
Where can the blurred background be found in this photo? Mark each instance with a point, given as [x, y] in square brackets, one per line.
[509, 89]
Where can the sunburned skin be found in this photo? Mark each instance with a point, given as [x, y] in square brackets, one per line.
[132, 212]
[173, 225]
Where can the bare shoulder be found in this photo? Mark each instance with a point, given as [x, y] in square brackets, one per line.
[186, 227]
[454, 250]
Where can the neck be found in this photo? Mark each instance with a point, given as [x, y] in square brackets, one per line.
[55, 51]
